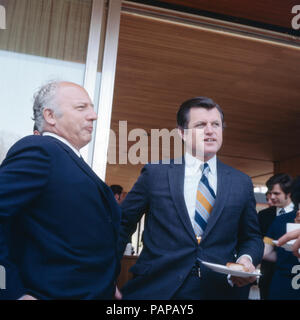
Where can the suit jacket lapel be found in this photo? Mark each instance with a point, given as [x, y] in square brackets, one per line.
[102, 187]
[83, 165]
[113, 208]
[223, 187]
[176, 183]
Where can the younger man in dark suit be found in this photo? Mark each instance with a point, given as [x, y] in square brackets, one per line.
[279, 193]
[197, 208]
[58, 221]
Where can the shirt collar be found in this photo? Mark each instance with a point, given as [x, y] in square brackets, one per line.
[288, 208]
[63, 140]
[213, 165]
[194, 163]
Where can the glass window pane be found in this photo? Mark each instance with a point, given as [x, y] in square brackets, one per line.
[44, 40]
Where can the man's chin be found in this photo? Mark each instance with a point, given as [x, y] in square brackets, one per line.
[85, 143]
[209, 155]
[197, 154]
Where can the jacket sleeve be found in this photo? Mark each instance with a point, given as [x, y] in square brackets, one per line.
[23, 175]
[250, 238]
[133, 207]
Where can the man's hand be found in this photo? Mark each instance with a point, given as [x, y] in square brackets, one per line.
[239, 281]
[295, 234]
[27, 297]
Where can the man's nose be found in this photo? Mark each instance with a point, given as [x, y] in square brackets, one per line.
[208, 129]
[92, 114]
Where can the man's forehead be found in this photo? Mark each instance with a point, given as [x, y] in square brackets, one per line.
[63, 84]
[202, 114]
[70, 86]
[74, 92]
[276, 188]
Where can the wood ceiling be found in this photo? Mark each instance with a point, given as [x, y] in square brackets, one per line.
[276, 14]
[162, 63]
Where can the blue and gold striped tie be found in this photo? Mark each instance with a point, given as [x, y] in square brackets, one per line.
[204, 203]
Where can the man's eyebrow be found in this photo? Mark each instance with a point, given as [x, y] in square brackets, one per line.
[205, 121]
[85, 103]
[200, 122]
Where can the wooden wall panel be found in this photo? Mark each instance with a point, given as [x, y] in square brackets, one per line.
[161, 64]
[289, 166]
[274, 12]
[126, 263]
[56, 29]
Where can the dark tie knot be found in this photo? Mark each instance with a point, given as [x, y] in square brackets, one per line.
[205, 168]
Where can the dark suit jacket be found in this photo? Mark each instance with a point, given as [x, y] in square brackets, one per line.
[267, 268]
[59, 224]
[265, 219]
[170, 246]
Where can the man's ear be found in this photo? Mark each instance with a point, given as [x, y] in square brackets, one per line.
[49, 116]
[181, 133]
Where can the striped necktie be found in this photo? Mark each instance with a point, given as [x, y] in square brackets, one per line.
[204, 203]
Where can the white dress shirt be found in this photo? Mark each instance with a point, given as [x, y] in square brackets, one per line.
[51, 134]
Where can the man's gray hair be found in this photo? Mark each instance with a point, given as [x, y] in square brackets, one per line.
[45, 98]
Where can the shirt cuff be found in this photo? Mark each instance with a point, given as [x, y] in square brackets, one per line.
[244, 255]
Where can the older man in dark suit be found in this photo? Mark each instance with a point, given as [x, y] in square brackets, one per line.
[199, 209]
[58, 221]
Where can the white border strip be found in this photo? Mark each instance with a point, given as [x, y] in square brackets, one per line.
[107, 88]
[91, 64]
